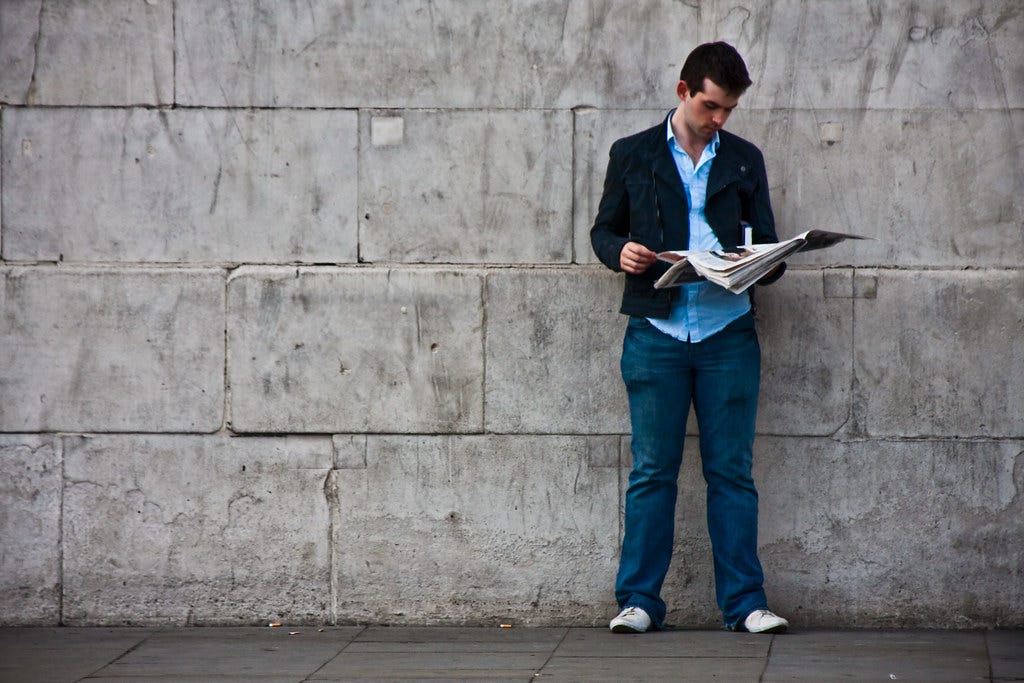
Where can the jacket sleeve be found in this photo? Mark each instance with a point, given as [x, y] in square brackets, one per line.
[611, 226]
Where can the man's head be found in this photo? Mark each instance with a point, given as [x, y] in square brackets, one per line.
[710, 84]
[718, 62]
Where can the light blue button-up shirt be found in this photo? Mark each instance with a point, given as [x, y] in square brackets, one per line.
[703, 308]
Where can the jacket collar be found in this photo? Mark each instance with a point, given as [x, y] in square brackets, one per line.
[727, 167]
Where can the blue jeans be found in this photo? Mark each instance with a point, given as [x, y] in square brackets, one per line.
[721, 375]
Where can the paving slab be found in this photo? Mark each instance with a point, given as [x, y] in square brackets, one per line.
[233, 652]
[615, 669]
[1006, 652]
[266, 655]
[879, 655]
[62, 655]
[433, 665]
[451, 638]
[586, 642]
[438, 675]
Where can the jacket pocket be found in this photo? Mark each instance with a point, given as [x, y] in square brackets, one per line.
[644, 218]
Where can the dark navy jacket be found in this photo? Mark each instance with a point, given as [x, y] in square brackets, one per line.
[644, 201]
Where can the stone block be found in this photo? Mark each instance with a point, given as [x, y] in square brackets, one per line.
[476, 530]
[806, 356]
[554, 337]
[179, 186]
[892, 533]
[332, 350]
[935, 354]
[196, 529]
[875, 55]
[111, 350]
[30, 497]
[429, 53]
[837, 186]
[467, 187]
[594, 133]
[80, 52]
[887, 179]
[349, 451]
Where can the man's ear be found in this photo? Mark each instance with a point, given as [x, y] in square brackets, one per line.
[682, 90]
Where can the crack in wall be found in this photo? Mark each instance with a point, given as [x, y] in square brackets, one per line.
[31, 91]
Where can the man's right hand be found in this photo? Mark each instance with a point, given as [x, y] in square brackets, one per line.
[635, 258]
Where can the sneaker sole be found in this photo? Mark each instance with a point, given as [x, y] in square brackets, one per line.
[781, 628]
[623, 628]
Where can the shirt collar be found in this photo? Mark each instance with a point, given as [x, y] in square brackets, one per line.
[671, 138]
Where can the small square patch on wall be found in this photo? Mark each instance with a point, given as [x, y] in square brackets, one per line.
[387, 131]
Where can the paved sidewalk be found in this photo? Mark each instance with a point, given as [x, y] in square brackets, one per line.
[294, 654]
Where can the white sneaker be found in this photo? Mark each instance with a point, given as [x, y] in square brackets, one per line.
[631, 620]
[764, 621]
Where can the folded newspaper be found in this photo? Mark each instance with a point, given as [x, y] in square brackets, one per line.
[737, 271]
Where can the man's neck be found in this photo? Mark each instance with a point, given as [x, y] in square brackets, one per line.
[689, 141]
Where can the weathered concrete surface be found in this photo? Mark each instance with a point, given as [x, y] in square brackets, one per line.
[937, 353]
[805, 327]
[141, 137]
[594, 131]
[355, 350]
[80, 52]
[477, 529]
[428, 54]
[196, 529]
[196, 186]
[30, 530]
[833, 182]
[875, 55]
[881, 557]
[893, 533]
[886, 178]
[111, 350]
[466, 187]
[554, 337]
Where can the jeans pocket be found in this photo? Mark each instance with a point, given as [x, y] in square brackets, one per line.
[638, 323]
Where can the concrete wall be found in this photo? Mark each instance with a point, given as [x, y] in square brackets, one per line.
[300, 322]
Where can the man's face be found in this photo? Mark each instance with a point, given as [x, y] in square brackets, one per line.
[706, 112]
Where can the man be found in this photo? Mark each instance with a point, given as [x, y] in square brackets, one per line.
[688, 184]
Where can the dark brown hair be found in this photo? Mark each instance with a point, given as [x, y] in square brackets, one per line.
[719, 62]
